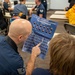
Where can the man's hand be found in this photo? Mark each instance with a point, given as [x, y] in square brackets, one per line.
[31, 11]
[36, 50]
[30, 66]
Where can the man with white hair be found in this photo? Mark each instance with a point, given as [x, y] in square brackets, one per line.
[11, 63]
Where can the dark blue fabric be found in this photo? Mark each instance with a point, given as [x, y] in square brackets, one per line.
[41, 10]
[3, 22]
[44, 2]
[1, 37]
[10, 61]
[5, 6]
[40, 71]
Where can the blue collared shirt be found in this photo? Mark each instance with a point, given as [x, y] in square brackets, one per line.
[11, 63]
[41, 10]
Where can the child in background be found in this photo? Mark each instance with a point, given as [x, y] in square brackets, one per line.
[71, 15]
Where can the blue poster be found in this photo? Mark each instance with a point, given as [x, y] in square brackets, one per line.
[43, 30]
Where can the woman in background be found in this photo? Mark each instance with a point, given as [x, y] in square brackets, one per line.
[71, 3]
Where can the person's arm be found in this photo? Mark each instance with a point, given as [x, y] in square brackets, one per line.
[10, 9]
[9, 3]
[31, 10]
[41, 13]
[6, 7]
[30, 66]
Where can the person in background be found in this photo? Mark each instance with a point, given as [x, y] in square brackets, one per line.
[40, 9]
[6, 5]
[44, 2]
[71, 3]
[15, 2]
[62, 57]
[11, 63]
[71, 15]
[21, 10]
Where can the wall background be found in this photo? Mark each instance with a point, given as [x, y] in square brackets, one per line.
[55, 4]
[52, 4]
[58, 4]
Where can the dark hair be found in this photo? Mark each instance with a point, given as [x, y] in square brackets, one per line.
[21, 0]
[72, 2]
[39, 0]
[62, 54]
[69, 1]
[15, 2]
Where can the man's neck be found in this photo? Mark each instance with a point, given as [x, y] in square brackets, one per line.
[22, 2]
[14, 39]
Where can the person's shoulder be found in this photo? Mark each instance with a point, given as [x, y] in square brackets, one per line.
[17, 5]
[4, 45]
[41, 6]
[2, 40]
[4, 3]
[40, 71]
[9, 52]
[23, 5]
[70, 10]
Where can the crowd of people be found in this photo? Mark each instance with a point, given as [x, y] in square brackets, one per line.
[21, 9]
[61, 47]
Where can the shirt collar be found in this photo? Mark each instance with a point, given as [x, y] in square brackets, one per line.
[12, 43]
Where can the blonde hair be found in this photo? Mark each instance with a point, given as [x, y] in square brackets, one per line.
[62, 54]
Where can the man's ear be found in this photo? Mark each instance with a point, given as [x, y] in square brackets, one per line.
[20, 37]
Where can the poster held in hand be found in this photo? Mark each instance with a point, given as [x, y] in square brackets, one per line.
[42, 31]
